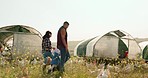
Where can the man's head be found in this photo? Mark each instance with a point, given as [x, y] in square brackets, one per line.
[65, 24]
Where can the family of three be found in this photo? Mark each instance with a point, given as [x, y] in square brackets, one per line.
[56, 57]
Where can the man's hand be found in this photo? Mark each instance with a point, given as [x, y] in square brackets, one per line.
[67, 48]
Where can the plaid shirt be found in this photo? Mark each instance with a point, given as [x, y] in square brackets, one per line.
[46, 44]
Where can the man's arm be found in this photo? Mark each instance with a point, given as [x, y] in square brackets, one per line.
[63, 33]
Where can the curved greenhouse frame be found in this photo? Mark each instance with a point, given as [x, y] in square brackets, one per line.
[113, 44]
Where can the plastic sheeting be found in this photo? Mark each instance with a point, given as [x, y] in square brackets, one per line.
[107, 46]
[144, 47]
[26, 43]
[90, 46]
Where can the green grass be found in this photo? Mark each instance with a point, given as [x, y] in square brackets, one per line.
[74, 68]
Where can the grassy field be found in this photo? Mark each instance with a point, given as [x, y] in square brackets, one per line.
[74, 68]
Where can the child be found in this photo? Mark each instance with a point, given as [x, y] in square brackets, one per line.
[55, 62]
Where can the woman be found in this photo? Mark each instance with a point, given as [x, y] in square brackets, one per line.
[46, 49]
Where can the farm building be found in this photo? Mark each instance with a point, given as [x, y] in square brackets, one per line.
[20, 38]
[113, 44]
[144, 47]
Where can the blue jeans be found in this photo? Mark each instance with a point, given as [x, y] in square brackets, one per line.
[64, 57]
[47, 54]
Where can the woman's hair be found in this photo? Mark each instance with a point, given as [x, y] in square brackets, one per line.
[47, 34]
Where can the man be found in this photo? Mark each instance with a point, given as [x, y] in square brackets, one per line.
[62, 44]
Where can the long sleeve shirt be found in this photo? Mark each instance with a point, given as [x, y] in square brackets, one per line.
[46, 44]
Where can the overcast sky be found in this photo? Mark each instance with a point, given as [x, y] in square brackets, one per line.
[87, 18]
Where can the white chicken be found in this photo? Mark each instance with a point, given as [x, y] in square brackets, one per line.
[105, 73]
